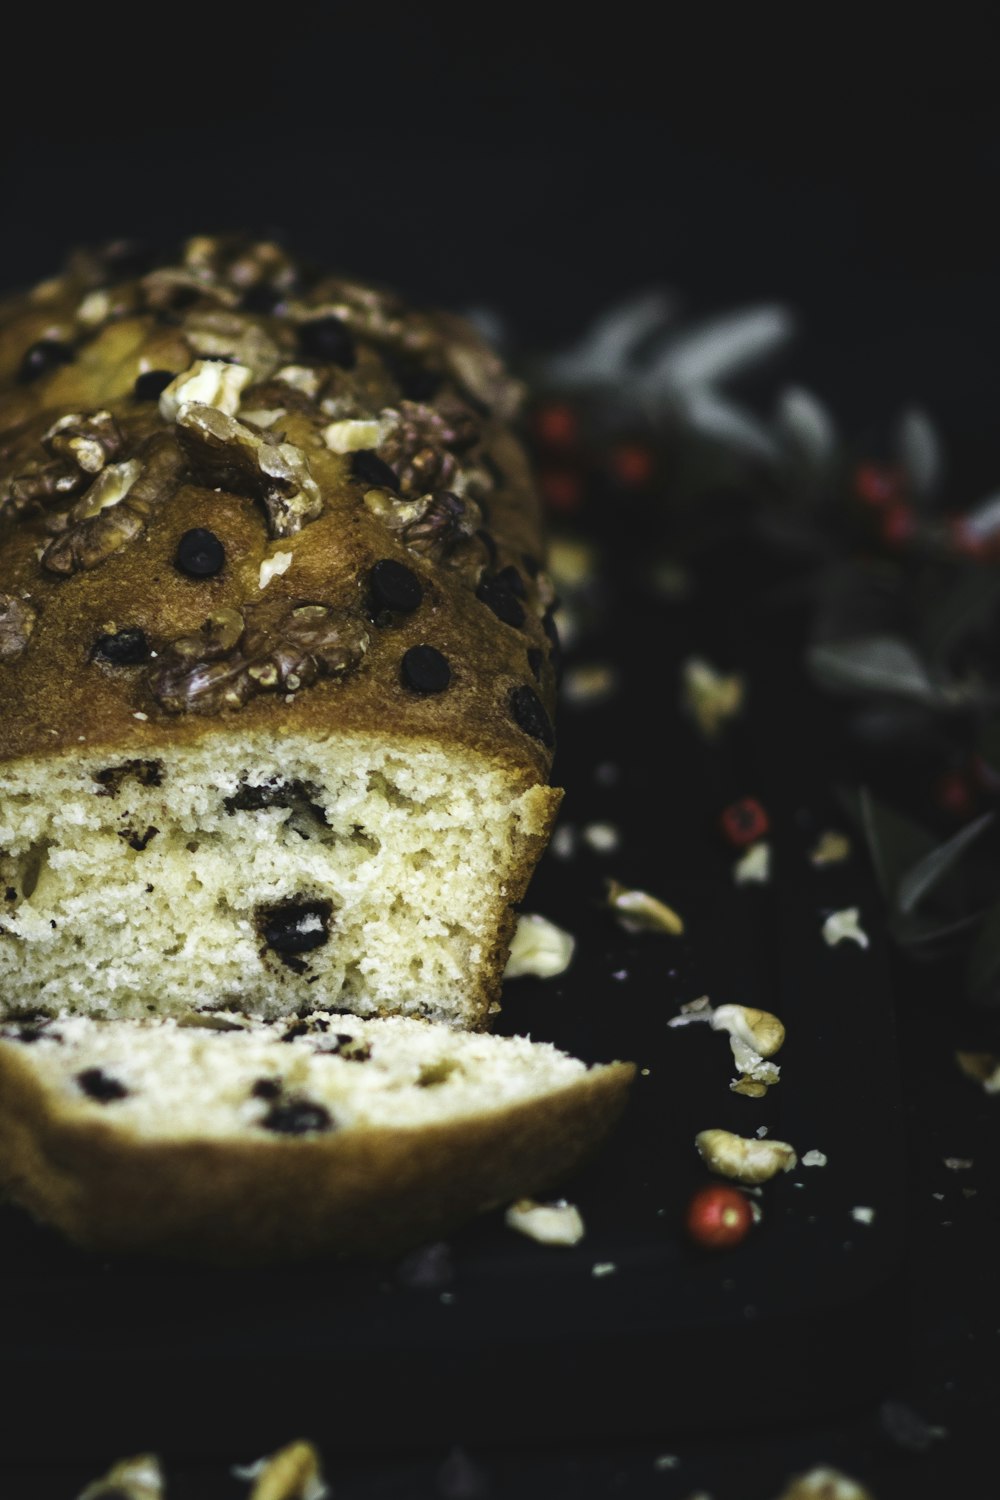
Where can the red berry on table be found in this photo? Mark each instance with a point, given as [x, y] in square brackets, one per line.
[561, 489]
[556, 425]
[744, 821]
[878, 484]
[953, 792]
[718, 1217]
[898, 523]
[632, 465]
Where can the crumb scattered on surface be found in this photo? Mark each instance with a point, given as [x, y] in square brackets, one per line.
[556, 1223]
[603, 1268]
[591, 682]
[754, 868]
[862, 1214]
[638, 911]
[831, 848]
[845, 926]
[711, 698]
[603, 838]
[539, 947]
[814, 1159]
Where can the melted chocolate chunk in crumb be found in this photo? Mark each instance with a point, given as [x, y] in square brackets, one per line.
[297, 1117]
[97, 1084]
[291, 928]
[266, 1088]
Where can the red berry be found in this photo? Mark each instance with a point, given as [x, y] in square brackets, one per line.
[632, 465]
[556, 425]
[878, 484]
[898, 523]
[953, 792]
[744, 821]
[718, 1217]
[561, 489]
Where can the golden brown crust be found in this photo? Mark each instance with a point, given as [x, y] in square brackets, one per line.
[363, 1191]
[83, 576]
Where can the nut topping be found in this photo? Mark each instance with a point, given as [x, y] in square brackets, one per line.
[209, 382]
[87, 439]
[237, 655]
[116, 508]
[226, 452]
[17, 621]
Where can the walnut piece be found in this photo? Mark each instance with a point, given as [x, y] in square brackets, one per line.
[549, 1223]
[219, 332]
[293, 1473]
[17, 621]
[538, 947]
[208, 382]
[116, 507]
[237, 655]
[226, 452]
[87, 439]
[139, 1478]
[638, 911]
[742, 1157]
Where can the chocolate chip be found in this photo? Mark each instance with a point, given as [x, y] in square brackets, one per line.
[416, 382]
[370, 469]
[262, 298]
[200, 554]
[151, 384]
[266, 1088]
[126, 648]
[298, 1117]
[10, 894]
[501, 601]
[424, 670]
[299, 1028]
[530, 715]
[42, 357]
[328, 338]
[511, 580]
[535, 660]
[98, 1085]
[394, 586]
[293, 927]
[138, 841]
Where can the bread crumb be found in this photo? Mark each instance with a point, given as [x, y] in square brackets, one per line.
[603, 838]
[841, 926]
[603, 1268]
[863, 1215]
[814, 1159]
[556, 1223]
[754, 868]
[539, 947]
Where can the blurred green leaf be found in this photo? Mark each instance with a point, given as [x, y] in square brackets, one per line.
[929, 871]
[983, 968]
[874, 664]
[895, 843]
[961, 609]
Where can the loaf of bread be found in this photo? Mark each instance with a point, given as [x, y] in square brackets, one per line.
[276, 646]
[240, 1141]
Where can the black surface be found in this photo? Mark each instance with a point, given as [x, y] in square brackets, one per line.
[547, 170]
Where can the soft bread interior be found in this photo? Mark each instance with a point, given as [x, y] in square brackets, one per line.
[271, 878]
[168, 1080]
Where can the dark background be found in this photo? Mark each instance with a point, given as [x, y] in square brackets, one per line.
[546, 166]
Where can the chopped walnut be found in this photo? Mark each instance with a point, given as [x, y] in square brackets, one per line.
[984, 1067]
[742, 1157]
[87, 439]
[17, 621]
[239, 262]
[549, 1223]
[442, 526]
[538, 947]
[293, 1473]
[237, 655]
[709, 696]
[754, 867]
[638, 911]
[845, 926]
[116, 507]
[221, 332]
[302, 378]
[139, 1478]
[168, 286]
[353, 433]
[209, 382]
[823, 1484]
[753, 1036]
[273, 566]
[421, 445]
[831, 848]
[224, 451]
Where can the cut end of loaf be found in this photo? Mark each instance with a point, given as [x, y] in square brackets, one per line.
[245, 1141]
[271, 878]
